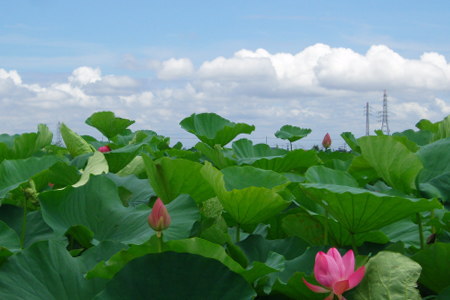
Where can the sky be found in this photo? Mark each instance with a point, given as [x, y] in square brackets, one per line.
[311, 64]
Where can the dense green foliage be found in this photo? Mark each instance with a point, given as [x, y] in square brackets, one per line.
[247, 220]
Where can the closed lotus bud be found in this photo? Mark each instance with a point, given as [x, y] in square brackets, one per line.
[326, 143]
[104, 149]
[159, 218]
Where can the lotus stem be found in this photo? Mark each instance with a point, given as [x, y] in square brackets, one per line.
[24, 225]
[421, 236]
[159, 235]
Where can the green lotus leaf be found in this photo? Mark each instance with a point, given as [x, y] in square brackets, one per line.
[389, 157]
[173, 275]
[435, 175]
[389, 276]
[314, 228]
[46, 270]
[435, 271]
[279, 160]
[427, 125]
[443, 129]
[96, 165]
[292, 133]
[15, 172]
[197, 246]
[26, 144]
[75, 144]
[321, 174]
[135, 166]
[9, 241]
[220, 157]
[248, 194]
[360, 210]
[351, 141]
[173, 177]
[108, 124]
[421, 137]
[37, 231]
[132, 190]
[97, 206]
[212, 129]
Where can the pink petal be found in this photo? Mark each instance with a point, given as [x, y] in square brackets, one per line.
[334, 271]
[340, 287]
[334, 253]
[349, 263]
[321, 272]
[356, 277]
[315, 288]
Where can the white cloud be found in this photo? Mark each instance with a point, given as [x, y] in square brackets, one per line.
[320, 87]
[443, 106]
[85, 75]
[175, 69]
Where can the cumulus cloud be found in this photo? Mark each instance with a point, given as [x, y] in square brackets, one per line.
[175, 68]
[320, 87]
[85, 75]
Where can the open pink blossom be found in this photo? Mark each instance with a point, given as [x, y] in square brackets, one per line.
[326, 142]
[337, 274]
[159, 218]
[104, 149]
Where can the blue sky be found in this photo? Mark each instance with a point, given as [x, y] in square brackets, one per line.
[318, 62]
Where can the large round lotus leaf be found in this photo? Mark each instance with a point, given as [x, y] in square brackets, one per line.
[360, 210]
[97, 206]
[108, 124]
[435, 266]
[176, 276]
[292, 133]
[212, 129]
[108, 269]
[392, 160]
[248, 194]
[388, 276]
[279, 160]
[45, 271]
[436, 172]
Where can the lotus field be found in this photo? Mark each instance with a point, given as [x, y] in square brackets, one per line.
[134, 216]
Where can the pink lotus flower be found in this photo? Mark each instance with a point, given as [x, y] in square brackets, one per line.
[104, 149]
[326, 143]
[337, 274]
[159, 218]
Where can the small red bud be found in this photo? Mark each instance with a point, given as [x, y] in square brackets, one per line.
[326, 143]
[104, 149]
[159, 218]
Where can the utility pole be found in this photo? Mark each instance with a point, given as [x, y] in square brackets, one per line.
[384, 120]
[367, 118]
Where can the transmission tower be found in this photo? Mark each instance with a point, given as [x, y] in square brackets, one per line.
[384, 119]
[367, 118]
[58, 140]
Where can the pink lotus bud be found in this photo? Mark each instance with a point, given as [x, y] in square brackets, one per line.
[104, 149]
[326, 143]
[337, 274]
[159, 218]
